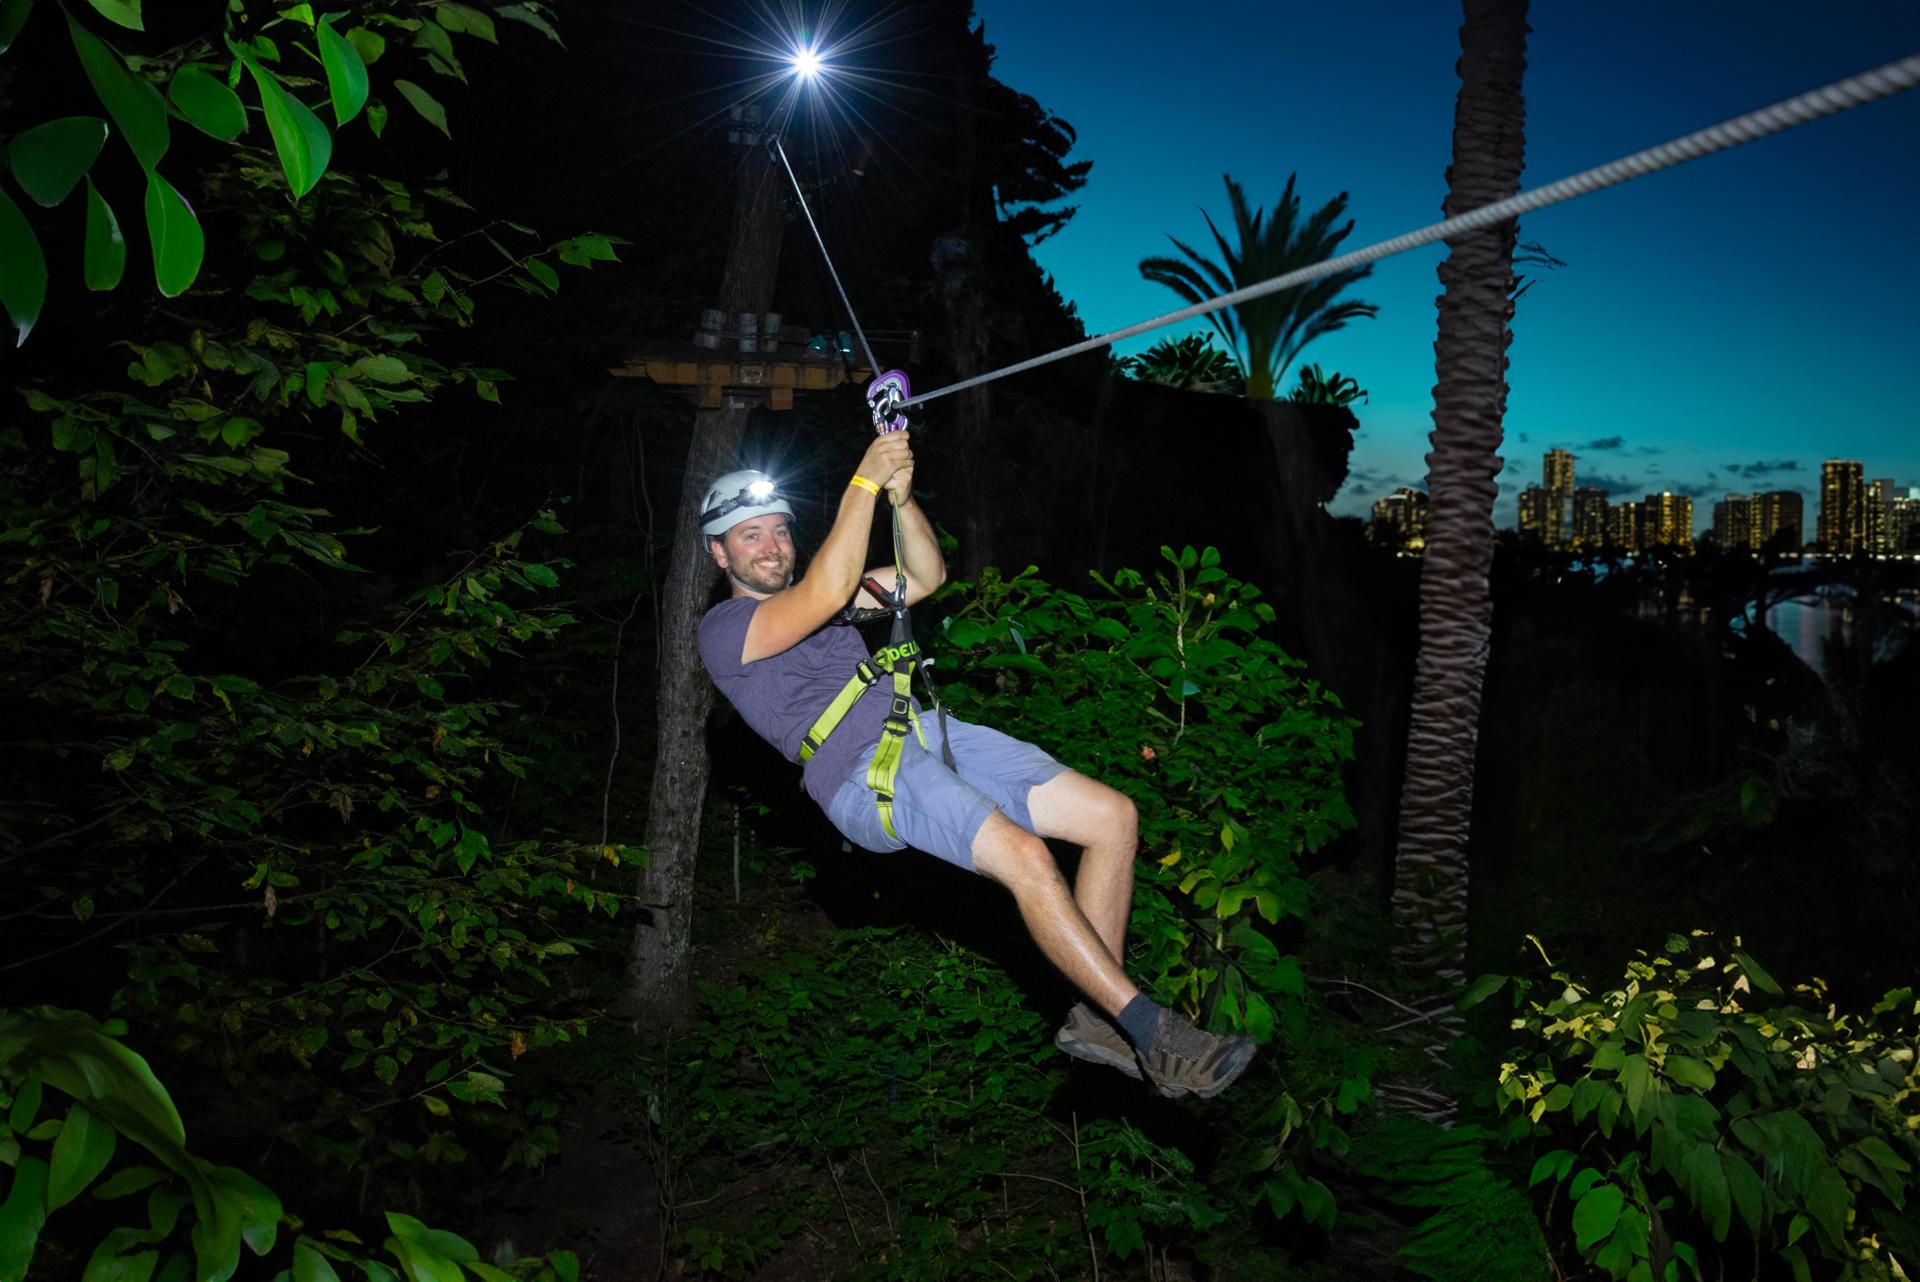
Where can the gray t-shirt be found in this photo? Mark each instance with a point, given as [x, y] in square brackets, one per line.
[781, 696]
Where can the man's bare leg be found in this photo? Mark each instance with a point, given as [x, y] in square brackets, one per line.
[1103, 823]
[1022, 863]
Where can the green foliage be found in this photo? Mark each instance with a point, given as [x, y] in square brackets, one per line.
[1316, 388]
[897, 1094]
[1168, 691]
[1265, 334]
[48, 160]
[272, 778]
[1478, 1224]
[1190, 362]
[198, 1216]
[1700, 1111]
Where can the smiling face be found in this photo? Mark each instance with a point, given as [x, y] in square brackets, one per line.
[757, 555]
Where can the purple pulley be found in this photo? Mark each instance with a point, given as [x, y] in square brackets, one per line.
[887, 398]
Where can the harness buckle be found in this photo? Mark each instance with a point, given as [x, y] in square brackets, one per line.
[901, 710]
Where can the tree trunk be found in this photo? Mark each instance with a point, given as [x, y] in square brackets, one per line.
[1470, 393]
[658, 993]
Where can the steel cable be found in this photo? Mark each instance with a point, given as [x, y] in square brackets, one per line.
[1854, 91]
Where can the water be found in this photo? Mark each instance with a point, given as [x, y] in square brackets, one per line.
[1810, 622]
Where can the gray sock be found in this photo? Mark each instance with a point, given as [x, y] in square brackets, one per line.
[1138, 1020]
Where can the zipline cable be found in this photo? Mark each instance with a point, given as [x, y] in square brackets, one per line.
[781, 151]
[1881, 82]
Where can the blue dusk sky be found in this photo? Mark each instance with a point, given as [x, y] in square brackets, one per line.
[1722, 326]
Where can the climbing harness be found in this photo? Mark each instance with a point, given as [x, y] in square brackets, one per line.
[887, 398]
[899, 658]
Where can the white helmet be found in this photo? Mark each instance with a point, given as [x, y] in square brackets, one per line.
[741, 496]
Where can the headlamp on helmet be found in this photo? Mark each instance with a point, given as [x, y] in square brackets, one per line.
[741, 496]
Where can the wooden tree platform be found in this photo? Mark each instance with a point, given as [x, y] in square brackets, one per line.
[712, 377]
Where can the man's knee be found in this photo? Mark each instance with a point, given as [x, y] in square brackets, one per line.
[1014, 857]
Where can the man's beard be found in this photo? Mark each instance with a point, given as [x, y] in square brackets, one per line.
[769, 580]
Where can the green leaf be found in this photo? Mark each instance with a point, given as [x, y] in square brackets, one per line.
[450, 1245]
[1756, 974]
[1595, 1214]
[49, 160]
[1743, 1185]
[311, 1266]
[525, 13]
[130, 1180]
[23, 270]
[1637, 1079]
[112, 1261]
[13, 15]
[22, 1216]
[134, 104]
[26, 1104]
[1705, 1179]
[207, 103]
[125, 13]
[464, 18]
[105, 259]
[1690, 1072]
[424, 103]
[383, 369]
[369, 44]
[303, 143]
[83, 1150]
[543, 272]
[1797, 1260]
[346, 72]
[178, 243]
[1481, 989]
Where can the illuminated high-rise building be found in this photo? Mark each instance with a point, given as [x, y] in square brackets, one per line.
[1556, 477]
[1733, 524]
[1666, 520]
[1842, 525]
[1589, 517]
[1623, 527]
[1903, 523]
[1536, 519]
[1400, 520]
[1880, 536]
[1780, 510]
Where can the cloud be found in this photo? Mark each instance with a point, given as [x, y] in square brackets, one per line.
[1753, 471]
[1692, 489]
[1650, 449]
[1617, 487]
[1524, 438]
[1606, 443]
[1372, 479]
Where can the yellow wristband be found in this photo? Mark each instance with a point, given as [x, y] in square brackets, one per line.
[865, 484]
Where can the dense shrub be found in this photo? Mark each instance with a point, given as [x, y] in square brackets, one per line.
[1700, 1119]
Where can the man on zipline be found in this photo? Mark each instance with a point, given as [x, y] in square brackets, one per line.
[772, 652]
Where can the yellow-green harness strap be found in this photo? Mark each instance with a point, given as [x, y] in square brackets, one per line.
[895, 660]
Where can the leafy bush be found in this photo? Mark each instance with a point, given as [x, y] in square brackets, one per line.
[198, 1215]
[268, 764]
[1168, 691]
[1702, 1117]
[1478, 1222]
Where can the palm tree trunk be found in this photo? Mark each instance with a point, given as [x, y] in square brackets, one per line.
[1470, 393]
[658, 992]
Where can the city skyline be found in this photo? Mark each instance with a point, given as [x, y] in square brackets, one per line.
[1855, 513]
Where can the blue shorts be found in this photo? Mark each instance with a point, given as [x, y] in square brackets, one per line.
[940, 810]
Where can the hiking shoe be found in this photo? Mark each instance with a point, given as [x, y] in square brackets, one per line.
[1184, 1060]
[1088, 1035]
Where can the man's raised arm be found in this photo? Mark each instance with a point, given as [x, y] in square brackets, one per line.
[789, 617]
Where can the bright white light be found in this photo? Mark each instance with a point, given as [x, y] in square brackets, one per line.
[806, 63]
[759, 489]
